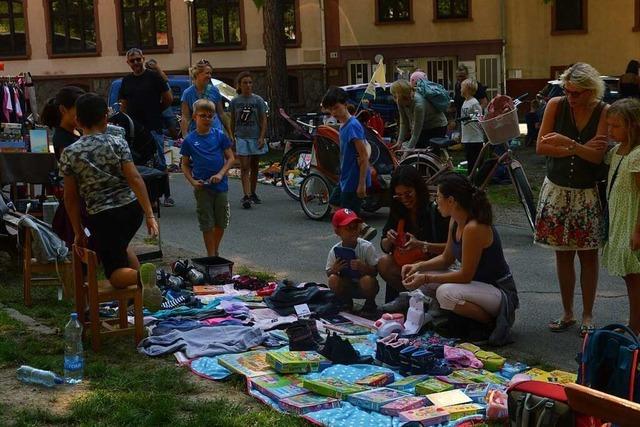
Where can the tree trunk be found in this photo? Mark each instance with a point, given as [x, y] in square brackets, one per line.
[276, 66]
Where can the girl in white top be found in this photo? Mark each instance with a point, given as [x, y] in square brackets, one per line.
[472, 135]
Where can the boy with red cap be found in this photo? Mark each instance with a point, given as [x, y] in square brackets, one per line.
[352, 263]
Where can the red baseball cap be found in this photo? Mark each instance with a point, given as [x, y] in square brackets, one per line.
[344, 217]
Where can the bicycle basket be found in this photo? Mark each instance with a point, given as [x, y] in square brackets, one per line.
[502, 128]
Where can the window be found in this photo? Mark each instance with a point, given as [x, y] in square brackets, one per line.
[291, 22]
[217, 23]
[393, 11]
[13, 40]
[452, 9]
[144, 24]
[569, 17]
[72, 26]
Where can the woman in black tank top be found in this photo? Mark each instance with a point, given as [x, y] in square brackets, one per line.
[483, 288]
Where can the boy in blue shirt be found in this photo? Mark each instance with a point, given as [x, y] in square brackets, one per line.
[206, 159]
[355, 176]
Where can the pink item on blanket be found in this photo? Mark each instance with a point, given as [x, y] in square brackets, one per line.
[217, 321]
[461, 358]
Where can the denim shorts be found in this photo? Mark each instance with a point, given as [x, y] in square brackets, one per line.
[212, 209]
[249, 147]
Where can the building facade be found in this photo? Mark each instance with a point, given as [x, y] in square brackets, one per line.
[517, 44]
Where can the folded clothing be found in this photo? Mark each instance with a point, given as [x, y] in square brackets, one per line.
[287, 295]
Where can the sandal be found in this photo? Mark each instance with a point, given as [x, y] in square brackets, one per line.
[586, 329]
[561, 325]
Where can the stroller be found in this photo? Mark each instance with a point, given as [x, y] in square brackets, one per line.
[324, 174]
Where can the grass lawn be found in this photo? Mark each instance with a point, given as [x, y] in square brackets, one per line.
[121, 387]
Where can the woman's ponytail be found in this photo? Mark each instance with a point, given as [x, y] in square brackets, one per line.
[469, 197]
[481, 207]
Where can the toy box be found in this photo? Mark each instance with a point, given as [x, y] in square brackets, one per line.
[492, 378]
[332, 387]
[379, 379]
[373, 400]
[403, 404]
[432, 385]
[538, 374]
[303, 403]
[278, 387]
[454, 381]
[297, 362]
[468, 376]
[408, 383]
[562, 377]
[426, 416]
[250, 364]
[477, 392]
[459, 411]
[510, 369]
[448, 398]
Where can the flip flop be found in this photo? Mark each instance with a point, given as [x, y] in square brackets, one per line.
[561, 325]
[585, 329]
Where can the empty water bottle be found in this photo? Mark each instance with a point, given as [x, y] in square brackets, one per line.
[30, 375]
[73, 358]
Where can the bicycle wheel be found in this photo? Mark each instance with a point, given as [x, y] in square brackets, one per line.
[525, 194]
[294, 169]
[314, 196]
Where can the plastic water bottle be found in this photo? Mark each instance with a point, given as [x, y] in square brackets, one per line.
[30, 375]
[73, 359]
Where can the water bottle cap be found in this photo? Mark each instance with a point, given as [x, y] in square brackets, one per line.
[74, 316]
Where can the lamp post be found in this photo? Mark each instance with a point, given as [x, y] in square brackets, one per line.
[189, 4]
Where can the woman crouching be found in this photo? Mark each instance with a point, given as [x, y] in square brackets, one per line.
[483, 288]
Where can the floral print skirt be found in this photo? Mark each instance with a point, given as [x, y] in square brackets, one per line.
[568, 218]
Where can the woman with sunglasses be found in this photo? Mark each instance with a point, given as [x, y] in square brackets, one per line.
[573, 138]
[425, 232]
[202, 88]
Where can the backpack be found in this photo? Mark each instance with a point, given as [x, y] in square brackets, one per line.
[435, 93]
[609, 362]
[538, 403]
[140, 140]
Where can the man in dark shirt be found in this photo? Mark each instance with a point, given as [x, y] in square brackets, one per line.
[462, 73]
[144, 95]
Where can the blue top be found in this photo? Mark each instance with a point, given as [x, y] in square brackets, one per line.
[191, 95]
[492, 266]
[248, 112]
[349, 169]
[207, 156]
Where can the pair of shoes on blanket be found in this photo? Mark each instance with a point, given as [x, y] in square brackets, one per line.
[340, 351]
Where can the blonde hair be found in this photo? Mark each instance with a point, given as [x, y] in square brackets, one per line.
[401, 88]
[204, 105]
[628, 109]
[585, 77]
[199, 68]
[471, 85]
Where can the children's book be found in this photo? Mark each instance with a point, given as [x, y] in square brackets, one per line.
[408, 383]
[278, 387]
[297, 362]
[373, 400]
[426, 416]
[432, 385]
[332, 387]
[249, 364]
[403, 404]
[449, 398]
[379, 379]
[347, 255]
[208, 289]
[38, 140]
[304, 403]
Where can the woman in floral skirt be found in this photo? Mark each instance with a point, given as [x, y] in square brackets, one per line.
[569, 221]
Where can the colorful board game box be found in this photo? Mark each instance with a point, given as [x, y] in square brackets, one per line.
[332, 387]
[304, 403]
[297, 362]
[426, 416]
[432, 385]
[510, 369]
[403, 404]
[467, 376]
[375, 399]
[538, 374]
[278, 387]
[562, 377]
[448, 398]
[455, 382]
[477, 392]
[379, 379]
[408, 383]
[459, 411]
[250, 364]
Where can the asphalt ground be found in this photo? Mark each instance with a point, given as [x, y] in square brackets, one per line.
[277, 237]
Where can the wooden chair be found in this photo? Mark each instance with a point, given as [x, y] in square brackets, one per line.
[38, 274]
[602, 405]
[89, 290]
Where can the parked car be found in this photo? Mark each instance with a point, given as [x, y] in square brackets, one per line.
[611, 94]
[383, 103]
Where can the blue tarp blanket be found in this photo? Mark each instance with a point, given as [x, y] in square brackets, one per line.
[351, 373]
[351, 416]
[208, 367]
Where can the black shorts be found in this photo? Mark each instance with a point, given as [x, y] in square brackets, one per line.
[112, 230]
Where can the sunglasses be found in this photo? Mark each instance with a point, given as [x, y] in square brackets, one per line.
[135, 60]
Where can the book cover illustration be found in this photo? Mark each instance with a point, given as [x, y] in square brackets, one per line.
[332, 387]
[373, 400]
[432, 385]
[304, 403]
[379, 379]
[250, 364]
[297, 362]
[403, 404]
[278, 387]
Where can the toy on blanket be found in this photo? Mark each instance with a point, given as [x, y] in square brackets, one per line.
[432, 385]
[373, 400]
[379, 379]
[303, 403]
[332, 387]
[459, 411]
[389, 323]
[426, 416]
[408, 383]
[403, 404]
[278, 387]
[297, 362]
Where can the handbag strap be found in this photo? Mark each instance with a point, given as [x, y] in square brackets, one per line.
[613, 178]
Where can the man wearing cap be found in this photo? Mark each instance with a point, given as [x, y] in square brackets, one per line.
[352, 264]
